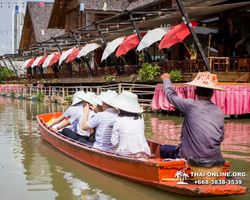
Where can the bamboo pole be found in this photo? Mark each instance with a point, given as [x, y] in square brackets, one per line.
[56, 67]
[124, 60]
[209, 44]
[190, 56]
[96, 62]
[162, 51]
[74, 66]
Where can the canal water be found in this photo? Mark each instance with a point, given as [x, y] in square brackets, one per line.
[31, 169]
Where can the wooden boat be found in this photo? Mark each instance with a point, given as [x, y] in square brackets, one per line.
[152, 172]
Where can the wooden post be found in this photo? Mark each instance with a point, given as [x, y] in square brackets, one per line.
[63, 93]
[120, 88]
[97, 90]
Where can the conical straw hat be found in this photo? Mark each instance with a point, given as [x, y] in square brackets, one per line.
[76, 100]
[206, 80]
[127, 101]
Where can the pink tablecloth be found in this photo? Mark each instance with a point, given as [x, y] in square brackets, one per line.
[235, 101]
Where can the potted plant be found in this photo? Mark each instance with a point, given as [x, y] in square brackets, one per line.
[134, 77]
[109, 78]
[148, 71]
[141, 56]
[40, 96]
[193, 53]
[175, 76]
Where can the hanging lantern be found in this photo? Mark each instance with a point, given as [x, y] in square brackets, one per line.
[41, 4]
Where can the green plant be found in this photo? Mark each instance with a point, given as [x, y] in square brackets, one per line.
[68, 99]
[63, 69]
[134, 77]
[109, 78]
[148, 71]
[83, 66]
[193, 51]
[40, 96]
[141, 56]
[55, 80]
[175, 76]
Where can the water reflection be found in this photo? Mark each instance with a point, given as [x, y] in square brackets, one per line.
[38, 171]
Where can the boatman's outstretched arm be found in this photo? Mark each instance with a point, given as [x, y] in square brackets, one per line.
[181, 104]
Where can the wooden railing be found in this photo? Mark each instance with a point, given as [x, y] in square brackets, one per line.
[144, 92]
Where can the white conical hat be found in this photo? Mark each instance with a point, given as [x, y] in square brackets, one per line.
[206, 80]
[107, 96]
[76, 99]
[88, 97]
[97, 100]
[127, 101]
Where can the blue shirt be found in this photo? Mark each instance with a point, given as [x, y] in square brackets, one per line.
[103, 122]
[73, 111]
[77, 119]
[203, 126]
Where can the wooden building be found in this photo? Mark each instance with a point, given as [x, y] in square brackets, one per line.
[35, 27]
[228, 17]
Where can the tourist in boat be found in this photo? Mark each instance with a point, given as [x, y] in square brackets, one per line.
[79, 134]
[128, 130]
[60, 122]
[102, 121]
[98, 107]
[203, 127]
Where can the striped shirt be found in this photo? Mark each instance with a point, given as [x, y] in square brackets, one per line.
[103, 122]
[73, 111]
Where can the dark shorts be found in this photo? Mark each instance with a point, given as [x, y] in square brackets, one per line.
[169, 151]
[73, 135]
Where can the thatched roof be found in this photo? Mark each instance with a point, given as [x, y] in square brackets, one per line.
[36, 23]
[112, 5]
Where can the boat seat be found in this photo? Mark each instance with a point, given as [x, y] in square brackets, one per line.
[155, 150]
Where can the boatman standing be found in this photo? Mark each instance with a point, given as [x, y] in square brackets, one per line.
[203, 126]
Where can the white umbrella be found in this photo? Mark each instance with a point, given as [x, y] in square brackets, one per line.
[88, 48]
[152, 36]
[111, 47]
[37, 60]
[65, 55]
[25, 63]
[47, 60]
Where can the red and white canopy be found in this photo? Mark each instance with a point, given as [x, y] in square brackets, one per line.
[39, 60]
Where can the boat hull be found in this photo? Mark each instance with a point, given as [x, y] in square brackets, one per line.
[151, 172]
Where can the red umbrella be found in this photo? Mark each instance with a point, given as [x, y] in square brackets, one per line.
[175, 35]
[30, 62]
[72, 55]
[41, 61]
[128, 43]
[54, 59]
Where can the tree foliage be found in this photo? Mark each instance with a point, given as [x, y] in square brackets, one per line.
[5, 73]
